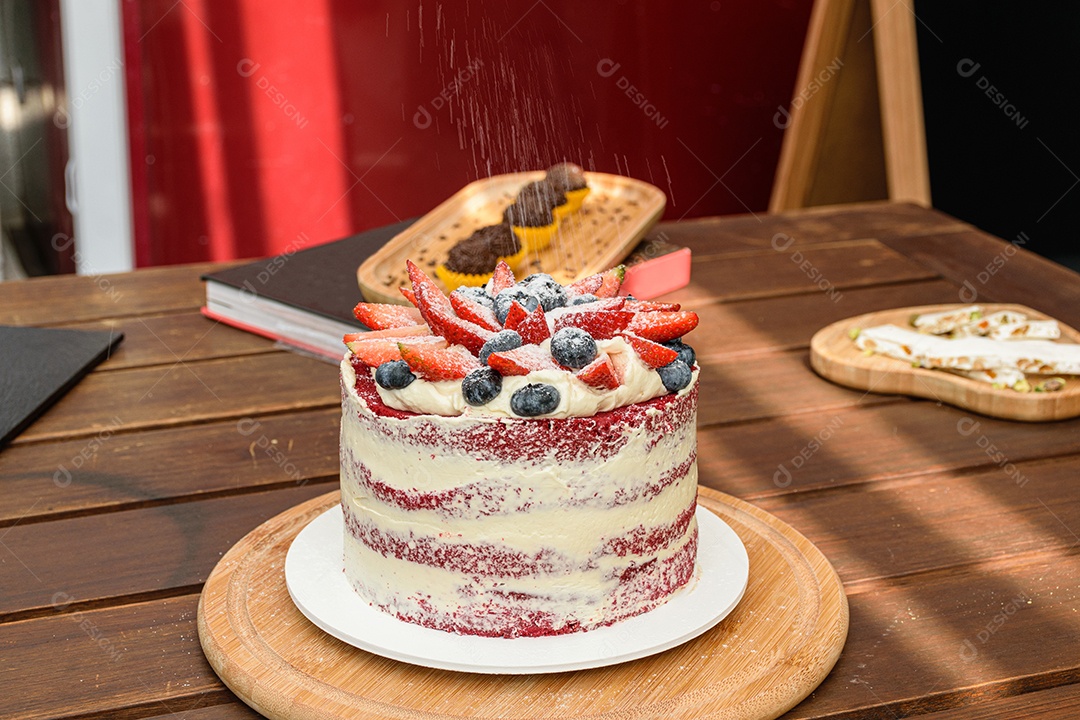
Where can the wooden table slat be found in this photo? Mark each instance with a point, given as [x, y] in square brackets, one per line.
[837, 223]
[131, 469]
[166, 339]
[148, 550]
[850, 447]
[187, 393]
[988, 269]
[62, 299]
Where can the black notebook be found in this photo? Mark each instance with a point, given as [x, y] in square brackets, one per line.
[304, 299]
[39, 365]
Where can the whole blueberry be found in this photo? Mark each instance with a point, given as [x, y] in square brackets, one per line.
[394, 375]
[584, 299]
[522, 295]
[481, 386]
[675, 375]
[534, 399]
[477, 294]
[545, 287]
[573, 347]
[500, 342]
[686, 353]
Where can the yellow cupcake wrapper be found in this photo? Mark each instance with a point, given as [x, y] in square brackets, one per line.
[561, 212]
[453, 280]
[575, 198]
[535, 238]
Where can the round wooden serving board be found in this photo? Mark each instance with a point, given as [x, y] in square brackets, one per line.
[834, 356]
[767, 655]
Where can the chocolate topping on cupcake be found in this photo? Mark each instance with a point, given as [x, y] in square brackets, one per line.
[565, 177]
[543, 193]
[529, 211]
[478, 253]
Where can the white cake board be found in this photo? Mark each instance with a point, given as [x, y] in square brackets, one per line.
[314, 574]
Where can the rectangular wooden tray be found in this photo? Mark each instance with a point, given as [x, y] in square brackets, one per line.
[615, 215]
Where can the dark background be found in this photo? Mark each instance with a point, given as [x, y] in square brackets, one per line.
[1005, 175]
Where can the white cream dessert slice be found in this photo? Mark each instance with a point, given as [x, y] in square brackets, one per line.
[1032, 329]
[999, 376]
[939, 323]
[986, 325]
[1041, 357]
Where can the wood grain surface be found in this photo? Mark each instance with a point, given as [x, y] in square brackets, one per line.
[959, 553]
[768, 654]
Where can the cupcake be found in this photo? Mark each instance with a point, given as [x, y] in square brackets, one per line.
[532, 220]
[542, 192]
[569, 179]
[472, 261]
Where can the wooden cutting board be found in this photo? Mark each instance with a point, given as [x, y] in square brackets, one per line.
[616, 214]
[767, 655]
[834, 356]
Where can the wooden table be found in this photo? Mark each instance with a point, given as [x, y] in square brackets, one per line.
[958, 548]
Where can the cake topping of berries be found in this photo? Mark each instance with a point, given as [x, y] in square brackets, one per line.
[686, 353]
[394, 375]
[500, 342]
[550, 293]
[535, 399]
[516, 293]
[583, 299]
[525, 348]
[675, 375]
[573, 347]
[481, 386]
[479, 295]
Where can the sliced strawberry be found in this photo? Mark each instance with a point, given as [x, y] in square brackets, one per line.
[612, 303]
[522, 360]
[468, 309]
[652, 354]
[600, 373]
[435, 363]
[601, 325]
[612, 281]
[428, 295]
[401, 332]
[458, 331]
[586, 285]
[379, 316]
[502, 278]
[376, 351]
[663, 326]
[651, 306]
[515, 316]
[409, 294]
[439, 314]
[534, 328]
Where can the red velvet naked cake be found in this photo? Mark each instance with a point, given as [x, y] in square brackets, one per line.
[519, 459]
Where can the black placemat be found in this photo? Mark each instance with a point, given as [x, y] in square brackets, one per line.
[39, 365]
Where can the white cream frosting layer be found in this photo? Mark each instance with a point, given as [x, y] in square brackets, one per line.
[576, 399]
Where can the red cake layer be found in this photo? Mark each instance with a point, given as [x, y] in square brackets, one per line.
[557, 440]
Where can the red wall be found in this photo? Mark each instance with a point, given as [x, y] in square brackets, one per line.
[260, 125]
